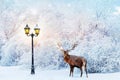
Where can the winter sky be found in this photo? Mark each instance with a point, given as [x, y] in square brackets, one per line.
[72, 5]
[39, 11]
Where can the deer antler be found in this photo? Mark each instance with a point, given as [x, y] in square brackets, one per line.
[73, 47]
[60, 47]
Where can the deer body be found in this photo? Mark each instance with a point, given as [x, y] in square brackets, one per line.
[75, 61]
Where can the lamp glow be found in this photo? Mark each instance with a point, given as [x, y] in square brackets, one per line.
[27, 30]
[37, 30]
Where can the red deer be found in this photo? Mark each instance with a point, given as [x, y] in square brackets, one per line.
[74, 61]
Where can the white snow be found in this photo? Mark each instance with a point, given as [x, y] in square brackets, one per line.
[91, 24]
[18, 73]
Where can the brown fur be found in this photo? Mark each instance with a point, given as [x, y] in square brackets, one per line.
[75, 61]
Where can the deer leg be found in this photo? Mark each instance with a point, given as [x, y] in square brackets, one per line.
[86, 71]
[81, 72]
[72, 71]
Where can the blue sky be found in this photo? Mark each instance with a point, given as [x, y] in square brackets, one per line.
[77, 5]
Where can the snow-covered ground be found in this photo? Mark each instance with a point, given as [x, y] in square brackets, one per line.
[18, 73]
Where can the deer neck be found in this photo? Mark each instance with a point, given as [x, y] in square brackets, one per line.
[66, 58]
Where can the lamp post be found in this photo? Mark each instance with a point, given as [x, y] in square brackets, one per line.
[27, 32]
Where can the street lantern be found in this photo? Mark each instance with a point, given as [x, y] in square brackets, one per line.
[27, 32]
[37, 30]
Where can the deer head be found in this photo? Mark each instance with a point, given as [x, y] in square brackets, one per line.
[66, 52]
